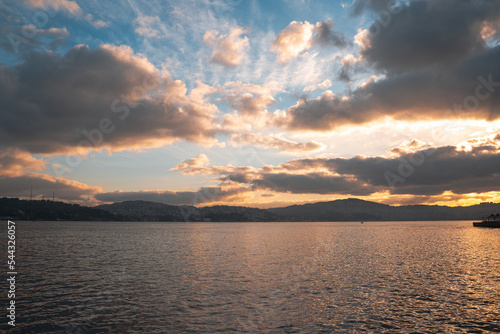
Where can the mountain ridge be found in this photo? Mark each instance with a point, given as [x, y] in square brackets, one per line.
[351, 209]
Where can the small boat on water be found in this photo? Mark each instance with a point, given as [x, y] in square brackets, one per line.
[490, 221]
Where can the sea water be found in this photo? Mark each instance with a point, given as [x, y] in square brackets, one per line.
[331, 277]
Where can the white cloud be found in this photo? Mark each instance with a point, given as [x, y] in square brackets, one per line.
[276, 142]
[97, 23]
[299, 37]
[229, 49]
[293, 40]
[149, 26]
[322, 85]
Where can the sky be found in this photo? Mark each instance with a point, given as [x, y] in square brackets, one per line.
[252, 103]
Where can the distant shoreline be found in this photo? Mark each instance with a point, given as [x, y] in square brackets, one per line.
[348, 210]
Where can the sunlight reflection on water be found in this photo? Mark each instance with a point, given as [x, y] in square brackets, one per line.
[95, 277]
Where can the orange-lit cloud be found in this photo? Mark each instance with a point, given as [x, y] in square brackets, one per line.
[14, 162]
[64, 5]
[197, 162]
[299, 37]
[19, 177]
[271, 141]
[229, 49]
[413, 173]
[90, 99]
[293, 40]
[414, 168]
[322, 85]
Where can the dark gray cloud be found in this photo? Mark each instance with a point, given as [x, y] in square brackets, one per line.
[430, 171]
[434, 58]
[325, 35]
[358, 6]
[424, 171]
[51, 103]
[423, 94]
[344, 73]
[427, 33]
[312, 183]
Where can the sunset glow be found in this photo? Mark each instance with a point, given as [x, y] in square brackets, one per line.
[250, 103]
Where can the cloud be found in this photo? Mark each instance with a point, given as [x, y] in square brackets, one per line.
[204, 195]
[435, 60]
[320, 114]
[322, 85]
[199, 165]
[54, 32]
[276, 142]
[429, 33]
[197, 162]
[97, 23]
[358, 6]
[425, 171]
[229, 49]
[312, 183]
[250, 100]
[298, 37]
[14, 162]
[28, 38]
[247, 104]
[490, 30]
[469, 91]
[18, 176]
[63, 189]
[97, 98]
[250, 103]
[325, 35]
[414, 168]
[293, 40]
[348, 63]
[149, 26]
[64, 5]
[268, 88]
[408, 146]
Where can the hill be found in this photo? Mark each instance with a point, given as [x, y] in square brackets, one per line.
[143, 211]
[340, 210]
[358, 210]
[14, 208]
[151, 211]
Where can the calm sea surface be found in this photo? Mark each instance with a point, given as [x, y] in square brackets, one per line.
[394, 277]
